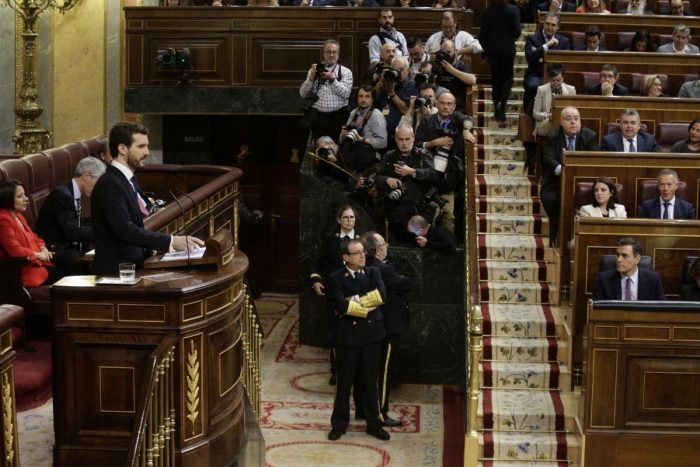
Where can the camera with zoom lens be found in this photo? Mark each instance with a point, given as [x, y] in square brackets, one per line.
[323, 153]
[353, 133]
[441, 55]
[396, 193]
[321, 68]
[443, 153]
[421, 102]
[421, 78]
[391, 74]
[432, 196]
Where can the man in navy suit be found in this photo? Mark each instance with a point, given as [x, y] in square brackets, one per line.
[666, 205]
[117, 211]
[608, 85]
[535, 47]
[627, 281]
[593, 36]
[629, 138]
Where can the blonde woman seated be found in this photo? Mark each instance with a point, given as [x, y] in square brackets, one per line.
[651, 87]
[593, 6]
[605, 202]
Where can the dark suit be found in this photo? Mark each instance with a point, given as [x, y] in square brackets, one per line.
[608, 286]
[550, 193]
[57, 223]
[119, 233]
[645, 143]
[585, 47]
[534, 53]
[566, 7]
[441, 240]
[690, 293]
[395, 312]
[500, 28]
[357, 342]
[596, 90]
[651, 209]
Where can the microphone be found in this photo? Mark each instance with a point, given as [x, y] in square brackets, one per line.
[193, 203]
[182, 211]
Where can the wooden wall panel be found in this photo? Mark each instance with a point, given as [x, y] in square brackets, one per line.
[603, 385]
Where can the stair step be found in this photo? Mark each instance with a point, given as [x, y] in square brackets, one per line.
[519, 375]
[487, 119]
[500, 185]
[526, 349]
[517, 292]
[512, 106]
[532, 447]
[510, 248]
[501, 152]
[509, 205]
[512, 271]
[516, 92]
[524, 411]
[496, 136]
[501, 167]
[510, 224]
[506, 319]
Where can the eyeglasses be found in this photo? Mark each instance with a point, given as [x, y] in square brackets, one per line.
[347, 218]
[386, 244]
[358, 253]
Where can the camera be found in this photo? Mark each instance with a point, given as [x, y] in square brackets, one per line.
[422, 78]
[353, 133]
[174, 58]
[323, 153]
[441, 55]
[391, 74]
[442, 154]
[321, 68]
[432, 196]
[396, 193]
[421, 102]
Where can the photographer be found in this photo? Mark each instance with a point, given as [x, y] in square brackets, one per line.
[452, 74]
[444, 135]
[465, 43]
[404, 176]
[365, 125]
[420, 107]
[416, 54]
[326, 149]
[397, 87]
[387, 53]
[387, 34]
[326, 92]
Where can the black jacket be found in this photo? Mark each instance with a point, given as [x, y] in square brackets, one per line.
[330, 256]
[534, 53]
[395, 310]
[348, 330]
[555, 142]
[608, 286]
[419, 159]
[500, 28]
[117, 223]
[57, 223]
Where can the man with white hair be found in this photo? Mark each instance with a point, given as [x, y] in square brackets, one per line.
[635, 7]
[681, 42]
[394, 90]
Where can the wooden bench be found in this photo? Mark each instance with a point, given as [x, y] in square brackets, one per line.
[679, 68]
[668, 243]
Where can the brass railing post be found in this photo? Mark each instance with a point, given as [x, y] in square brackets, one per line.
[471, 446]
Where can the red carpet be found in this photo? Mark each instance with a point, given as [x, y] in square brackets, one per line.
[33, 376]
[453, 414]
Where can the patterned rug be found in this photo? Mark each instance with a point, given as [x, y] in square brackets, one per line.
[524, 369]
[298, 401]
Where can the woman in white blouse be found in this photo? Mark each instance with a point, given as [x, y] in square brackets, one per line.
[605, 202]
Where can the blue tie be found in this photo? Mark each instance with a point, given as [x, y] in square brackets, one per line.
[666, 205]
[632, 148]
[571, 145]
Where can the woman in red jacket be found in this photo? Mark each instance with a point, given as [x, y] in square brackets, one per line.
[17, 239]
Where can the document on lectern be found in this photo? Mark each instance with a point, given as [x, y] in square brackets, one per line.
[178, 255]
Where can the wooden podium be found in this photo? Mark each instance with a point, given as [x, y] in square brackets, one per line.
[103, 337]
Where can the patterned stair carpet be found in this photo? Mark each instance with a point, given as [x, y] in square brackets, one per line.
[298, 401]
[525, 366]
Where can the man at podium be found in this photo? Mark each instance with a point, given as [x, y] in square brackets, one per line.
[118, 210]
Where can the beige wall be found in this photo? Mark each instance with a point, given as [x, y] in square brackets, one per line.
[79, 72]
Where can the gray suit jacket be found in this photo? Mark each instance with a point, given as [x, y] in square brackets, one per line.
[668, 49]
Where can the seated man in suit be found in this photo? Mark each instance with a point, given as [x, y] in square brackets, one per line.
[627, 281]
[677, 8]
[629, 138]
[557, 6]
[608, 85]
[117, 208]
[59, 222]
[666, 205]
[535, 47]
[593, 36]
[542, 111]
[572, 137]
[681, 42]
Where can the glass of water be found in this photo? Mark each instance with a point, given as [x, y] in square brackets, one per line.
[127, 272]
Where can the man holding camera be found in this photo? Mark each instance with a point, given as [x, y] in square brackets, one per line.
[452, 74]
[416, 54]
[374, 73]
[387, 35]
[397, 87]
[326, 92]
[420, 106]
[444, 135]
[403, 178]
[366, 124]
[465, 43]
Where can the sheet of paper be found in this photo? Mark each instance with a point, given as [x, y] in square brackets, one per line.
[117, 281]
[166, 276]
[178, 255]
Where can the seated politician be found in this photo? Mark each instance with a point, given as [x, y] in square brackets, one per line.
[629, 138]
[605, 202]
[608, 85]
[17, 240]
[118, 209]
[60, 222]
[627, 281]
[692, 144]
[691, 292]
[667, 205]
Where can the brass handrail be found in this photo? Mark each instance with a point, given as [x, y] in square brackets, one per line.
[153, 441]
[474, 318]
[251, 343]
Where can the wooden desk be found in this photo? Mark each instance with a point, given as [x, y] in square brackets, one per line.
[102, 339]
[642, 374]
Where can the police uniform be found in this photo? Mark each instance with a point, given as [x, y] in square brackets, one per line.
[357, 342]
